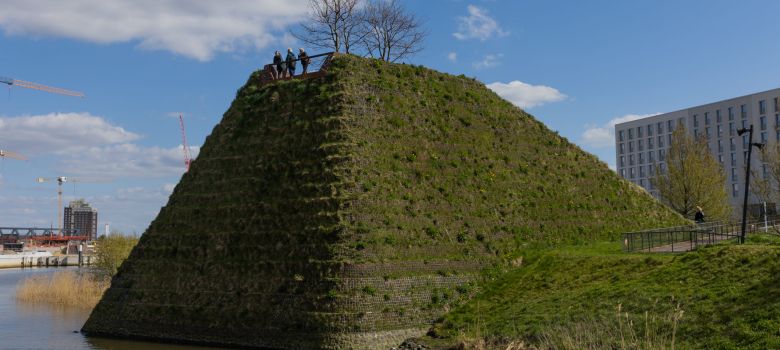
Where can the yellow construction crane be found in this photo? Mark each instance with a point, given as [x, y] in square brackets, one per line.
[61, 180]
[35, 86]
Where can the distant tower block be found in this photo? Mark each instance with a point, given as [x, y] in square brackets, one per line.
[81, 217]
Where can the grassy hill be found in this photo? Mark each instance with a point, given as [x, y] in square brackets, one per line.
[352, 210]
[722, 297]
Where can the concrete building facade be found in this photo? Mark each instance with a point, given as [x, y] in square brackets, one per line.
[641, 145]
[80, 216]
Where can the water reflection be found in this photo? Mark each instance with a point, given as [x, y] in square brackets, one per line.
[26, 326]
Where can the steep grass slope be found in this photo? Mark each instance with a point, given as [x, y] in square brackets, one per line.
[728, 296]
[352, 210]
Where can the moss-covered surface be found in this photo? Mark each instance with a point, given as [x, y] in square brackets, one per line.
[352, 210]
[729, 296]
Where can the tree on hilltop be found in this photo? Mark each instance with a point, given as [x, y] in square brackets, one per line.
[692, 177]
[381, 29]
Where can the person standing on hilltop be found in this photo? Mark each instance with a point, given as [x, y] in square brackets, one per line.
[279, 65]
[699, 217]
[305, 60]
[290, 62]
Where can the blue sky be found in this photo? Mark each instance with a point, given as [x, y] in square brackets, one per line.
[578, 66]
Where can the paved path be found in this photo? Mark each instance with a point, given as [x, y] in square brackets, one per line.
[685, 246]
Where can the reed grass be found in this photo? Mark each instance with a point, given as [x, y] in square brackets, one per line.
[63, 288]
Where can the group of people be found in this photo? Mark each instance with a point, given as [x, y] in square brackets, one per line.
[285, 68]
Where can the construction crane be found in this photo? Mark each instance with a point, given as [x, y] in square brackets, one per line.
[61, 180]
[12, 155]
[35, 86]
[187, 159]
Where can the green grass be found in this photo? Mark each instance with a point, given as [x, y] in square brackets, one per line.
[729, 295]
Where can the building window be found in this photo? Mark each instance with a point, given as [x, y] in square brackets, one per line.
[720, 130]
[733, 159]
[762, 120]
[631, 134]
[638, 131]
[650, 170]
[707, 132]
[650, 143]
[744, 124]
[706, 118]
[732, 129]
[622, 148]
[631, 160]
[639, 145]
[632, 173]
[622, 161]
[661, 141]
[641, 172]
[660, 127]
[720, 146]
[744, 141]
[662, 168]
[630, 146]
[777, 104]
[669, 138]
[734, 190]
[778, 135]
[731, 113]
[744, 157]
[777, 121]
[720, 159]
[641, 158]
[717, 116]
[623, 173]
[621, 135]
[669, 126]
[762, 107]
[743, 111]
[695, 121]
[763, 138]
[650, 130]
[734, 174]
[650, 157]
[661, 155]
[696, 133]
[732, 145]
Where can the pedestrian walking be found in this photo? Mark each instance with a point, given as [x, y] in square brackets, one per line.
[699, 217]
[279, 64]
[305, 60]
[290, 62]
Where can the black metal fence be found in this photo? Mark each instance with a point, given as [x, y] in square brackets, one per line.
[687, 238]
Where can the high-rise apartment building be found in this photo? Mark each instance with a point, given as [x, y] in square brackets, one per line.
[641, 145]
[79, 216]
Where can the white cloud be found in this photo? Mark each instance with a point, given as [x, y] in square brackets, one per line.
[478, 25]
[127, 160]
[604, 136]
[60, 133]
[489, 61]
[195, 28]
[526, 95]
[452, 56]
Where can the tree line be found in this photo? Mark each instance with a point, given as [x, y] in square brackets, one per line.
[382, 29]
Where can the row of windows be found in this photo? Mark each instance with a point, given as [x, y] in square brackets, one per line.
[650, 128]
[732, 132]
[643, 171]
[707, 120]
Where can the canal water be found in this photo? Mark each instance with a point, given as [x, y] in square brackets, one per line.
[41, 327]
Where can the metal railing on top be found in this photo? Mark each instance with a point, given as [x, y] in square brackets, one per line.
[318, 65]
[687, 238]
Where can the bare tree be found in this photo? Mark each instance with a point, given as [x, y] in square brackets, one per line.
[389, 32]
[331, 25]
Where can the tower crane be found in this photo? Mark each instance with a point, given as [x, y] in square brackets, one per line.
[35, 86]
[61, 180]
[187, 159]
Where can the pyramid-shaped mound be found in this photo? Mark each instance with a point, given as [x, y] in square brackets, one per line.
[352, 209]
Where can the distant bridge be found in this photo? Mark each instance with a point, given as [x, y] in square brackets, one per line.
[15, 234]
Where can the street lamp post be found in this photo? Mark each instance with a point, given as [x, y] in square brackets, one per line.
[747, 176]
